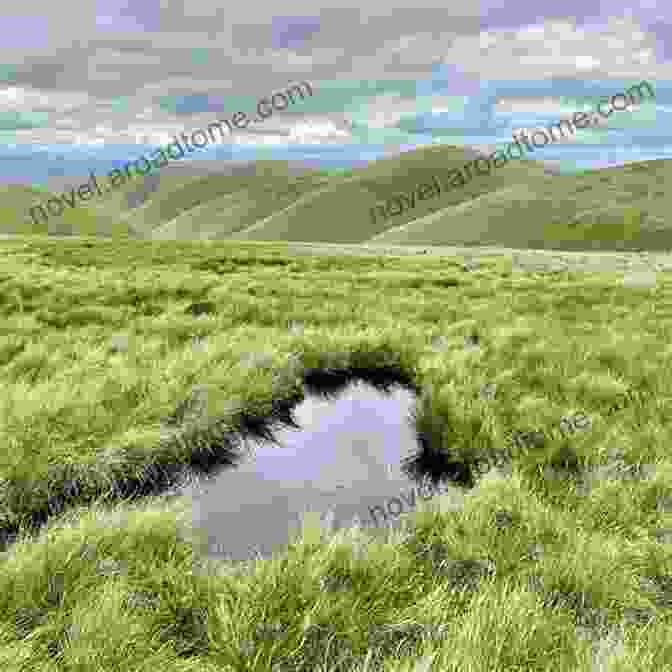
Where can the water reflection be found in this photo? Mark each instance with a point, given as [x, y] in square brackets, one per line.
[353, 448]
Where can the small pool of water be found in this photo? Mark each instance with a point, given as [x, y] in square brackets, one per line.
[348, 458]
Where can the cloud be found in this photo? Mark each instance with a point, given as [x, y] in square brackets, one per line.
[554, 49]
[113, 72]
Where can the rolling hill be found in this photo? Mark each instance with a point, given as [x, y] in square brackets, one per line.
[263, 180]
[620, 208]
[242, 208]
[520, 204]
[341, 213]
[115, 213]
[16, 201]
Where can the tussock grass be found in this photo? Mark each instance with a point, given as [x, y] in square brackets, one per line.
[124, 361]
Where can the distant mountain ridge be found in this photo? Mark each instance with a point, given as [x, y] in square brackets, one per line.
[523, 204]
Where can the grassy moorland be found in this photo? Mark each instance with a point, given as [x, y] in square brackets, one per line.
[556, 559]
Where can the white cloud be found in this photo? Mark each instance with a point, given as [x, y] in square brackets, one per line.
[586, 62]
[385, 111]
[318, 132]
[554, 49]
[22, 99]
[550, 106]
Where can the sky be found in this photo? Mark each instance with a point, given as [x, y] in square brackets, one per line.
[91, 84]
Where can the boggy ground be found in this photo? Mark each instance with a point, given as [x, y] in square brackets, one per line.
[556, 557]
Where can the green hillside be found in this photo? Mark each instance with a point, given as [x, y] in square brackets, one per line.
[519, 204]
[342, 213]
[16, 201]
[134, 193]
[619, 208]
[232, 212]
[166, 205]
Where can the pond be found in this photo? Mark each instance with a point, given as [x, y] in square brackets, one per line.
[352, 452]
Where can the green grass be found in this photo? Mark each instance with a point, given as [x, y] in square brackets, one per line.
[538, 566]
